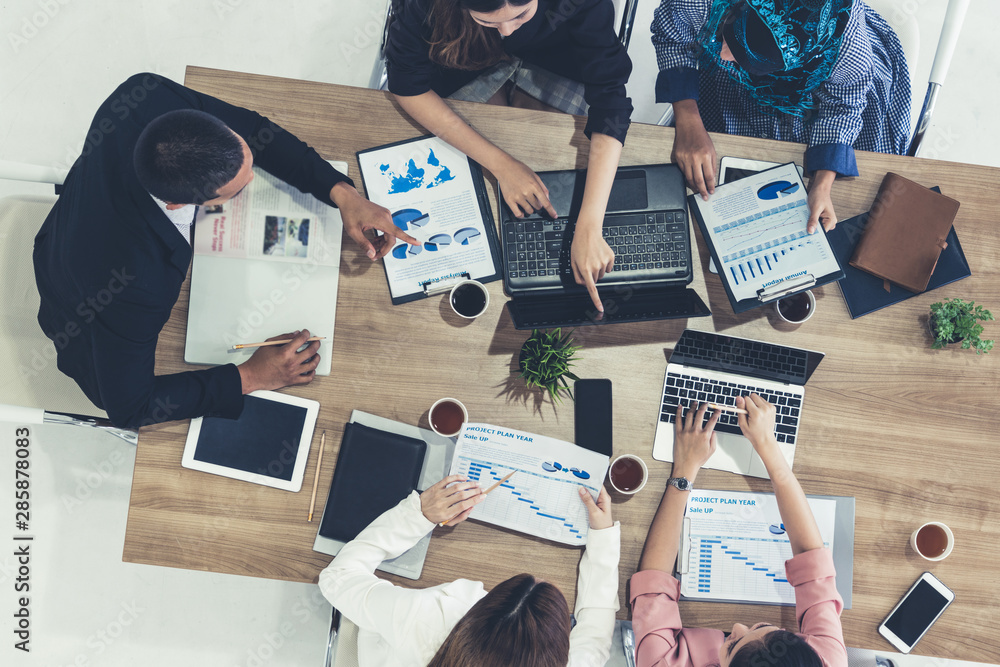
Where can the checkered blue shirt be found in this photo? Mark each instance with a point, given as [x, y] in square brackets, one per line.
[864, 105]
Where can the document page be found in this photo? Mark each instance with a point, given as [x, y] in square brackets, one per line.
[735, 546]
[757, 225]
[428, 187]
[541, 499]
[271, 220]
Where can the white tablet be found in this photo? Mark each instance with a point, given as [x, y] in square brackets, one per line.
[268, 444]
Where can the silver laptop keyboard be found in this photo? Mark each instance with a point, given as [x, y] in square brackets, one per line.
[688, 389]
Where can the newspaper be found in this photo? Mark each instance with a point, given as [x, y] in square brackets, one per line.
[271, 220]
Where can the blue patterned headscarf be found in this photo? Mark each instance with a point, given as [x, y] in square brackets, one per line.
[806, 42]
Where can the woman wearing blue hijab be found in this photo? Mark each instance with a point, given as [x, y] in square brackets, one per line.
[827, 73]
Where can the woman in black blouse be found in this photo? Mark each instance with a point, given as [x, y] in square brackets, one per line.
[563, 53]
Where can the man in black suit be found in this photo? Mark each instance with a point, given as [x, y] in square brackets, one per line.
[111, 256]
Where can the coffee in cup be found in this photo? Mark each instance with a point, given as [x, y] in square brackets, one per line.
[469, 299]
[628, 474]
[797, 308]
[933, 541]
[447, 416]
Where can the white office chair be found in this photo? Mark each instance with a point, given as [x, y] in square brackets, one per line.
[342, 643]
[34, 391]
[900, 15]
[380, 78]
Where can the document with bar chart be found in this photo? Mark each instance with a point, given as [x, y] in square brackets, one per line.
[734, 546]
[756, 227]
[541, 498]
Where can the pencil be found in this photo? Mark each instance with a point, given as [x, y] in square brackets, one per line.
[728, 408]
[445, 522]
[319, 463]
[243, 346]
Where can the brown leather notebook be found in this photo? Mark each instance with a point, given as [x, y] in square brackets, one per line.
[905, 234]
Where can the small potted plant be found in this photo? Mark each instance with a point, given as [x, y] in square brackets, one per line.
[956, 320]
[545, 360]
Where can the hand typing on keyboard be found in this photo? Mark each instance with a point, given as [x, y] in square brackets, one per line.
[758, 424]
[694, 440]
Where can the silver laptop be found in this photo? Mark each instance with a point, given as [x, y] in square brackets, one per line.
[714, 368]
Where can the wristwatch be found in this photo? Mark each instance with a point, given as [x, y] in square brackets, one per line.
[681, 483]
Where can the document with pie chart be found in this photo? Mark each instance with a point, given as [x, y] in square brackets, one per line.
[437, 195]
[756, 229]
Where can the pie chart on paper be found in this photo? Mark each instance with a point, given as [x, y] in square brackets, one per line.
[777, 190]
[467, 236]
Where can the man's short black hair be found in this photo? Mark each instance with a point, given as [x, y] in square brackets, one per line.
[185, 156]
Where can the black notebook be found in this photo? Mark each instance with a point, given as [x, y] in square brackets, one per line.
[864, 293]
[375, 470]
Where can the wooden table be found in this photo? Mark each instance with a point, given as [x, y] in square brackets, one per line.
[907, 430]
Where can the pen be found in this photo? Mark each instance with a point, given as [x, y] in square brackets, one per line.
[728, 408]
[243, 346]
[445, 522]
[319, 462]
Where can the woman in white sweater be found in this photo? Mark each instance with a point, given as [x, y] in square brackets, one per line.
[523, 621]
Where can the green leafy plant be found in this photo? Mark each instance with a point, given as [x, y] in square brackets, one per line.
[545, 360]
[955, 320]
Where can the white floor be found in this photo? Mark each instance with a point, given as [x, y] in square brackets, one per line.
[58, 61]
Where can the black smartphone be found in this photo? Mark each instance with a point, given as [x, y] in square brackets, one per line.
[593, 415]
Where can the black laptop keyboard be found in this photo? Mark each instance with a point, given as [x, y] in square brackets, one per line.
[688, 389]
[736, 353]
[646, 246]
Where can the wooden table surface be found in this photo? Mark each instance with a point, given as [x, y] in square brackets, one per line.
[908, 431]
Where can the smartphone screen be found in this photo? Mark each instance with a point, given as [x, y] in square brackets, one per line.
[915, 614]
[593, 415]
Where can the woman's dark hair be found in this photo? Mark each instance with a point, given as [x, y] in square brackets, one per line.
[780, 648]
[185, 156]
[458, 42]
[520, 622]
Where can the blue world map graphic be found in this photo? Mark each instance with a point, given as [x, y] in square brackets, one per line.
[431, 174]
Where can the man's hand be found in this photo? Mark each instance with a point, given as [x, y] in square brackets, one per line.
[278, 366]
[820, 203]
[522, 189]
[591, 257]
[361, 215]
[694, 444]
[693, 152]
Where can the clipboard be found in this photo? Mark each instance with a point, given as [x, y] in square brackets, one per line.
[781, 195]
[843, 551]
[445, 274]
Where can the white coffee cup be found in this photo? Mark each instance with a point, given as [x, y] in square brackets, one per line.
[436, 427]
[469, 293]
[949, 536]
[645, 474]
[812, 307]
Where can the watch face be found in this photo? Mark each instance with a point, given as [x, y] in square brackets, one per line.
[682, 484]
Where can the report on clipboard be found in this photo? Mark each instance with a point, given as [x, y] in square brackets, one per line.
[437, 195]
[756, 229]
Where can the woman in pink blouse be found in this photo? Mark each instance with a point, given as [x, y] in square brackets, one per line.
[662, 640]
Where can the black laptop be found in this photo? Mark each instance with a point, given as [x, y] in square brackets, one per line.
[647, 226]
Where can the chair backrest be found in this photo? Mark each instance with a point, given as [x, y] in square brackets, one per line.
[342, 643]
[32, 379]
[899, 14]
